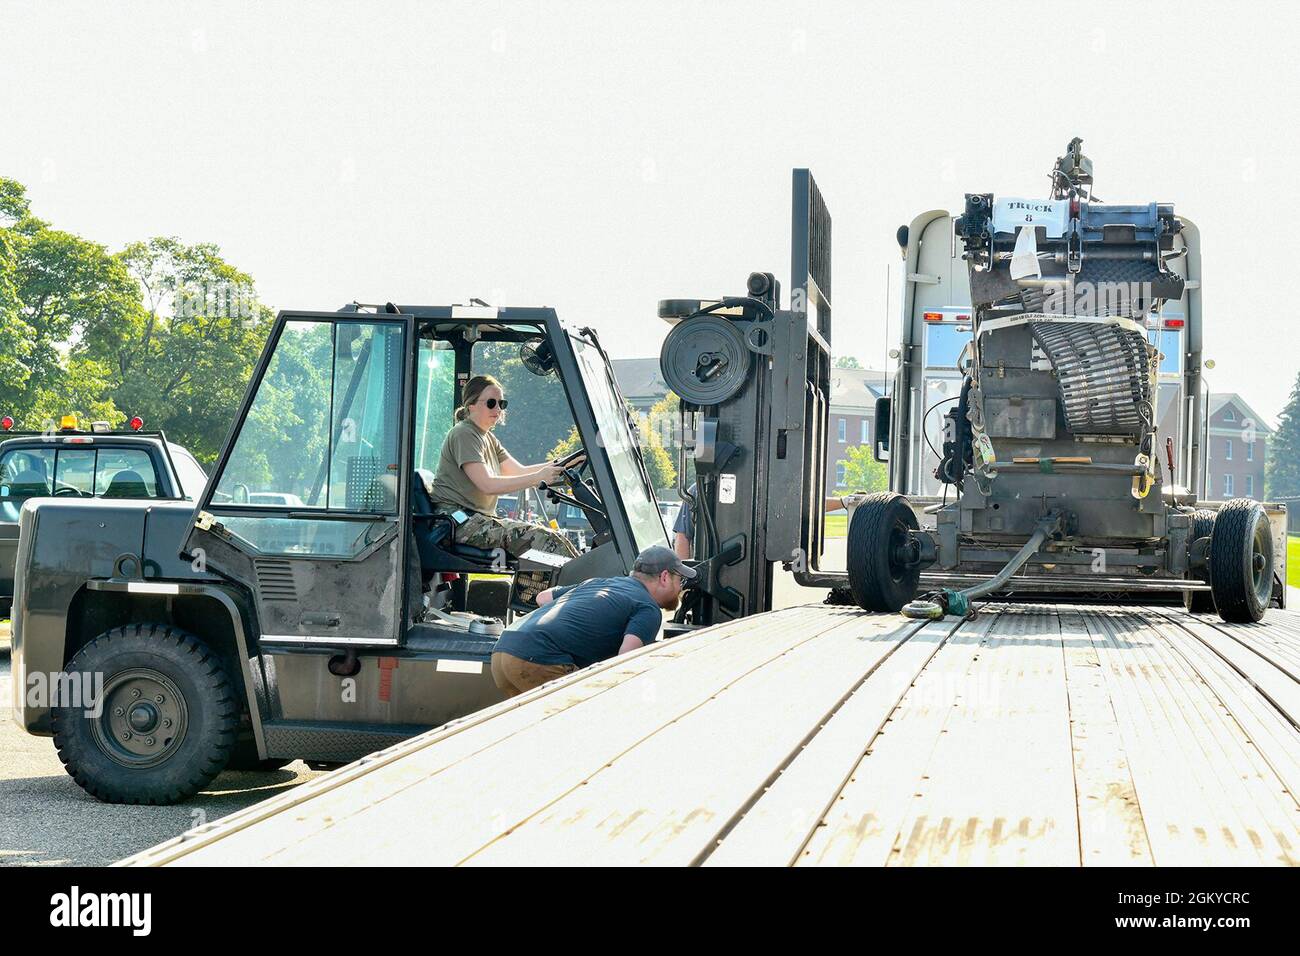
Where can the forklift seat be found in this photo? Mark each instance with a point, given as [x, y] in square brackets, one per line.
[439, 552]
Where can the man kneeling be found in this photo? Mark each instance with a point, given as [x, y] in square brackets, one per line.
[581, 624]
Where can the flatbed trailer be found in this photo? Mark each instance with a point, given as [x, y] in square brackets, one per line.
[1031, 734]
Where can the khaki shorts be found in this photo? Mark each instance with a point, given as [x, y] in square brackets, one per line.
[514, 675]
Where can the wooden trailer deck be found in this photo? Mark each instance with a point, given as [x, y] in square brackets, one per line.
[817, 735]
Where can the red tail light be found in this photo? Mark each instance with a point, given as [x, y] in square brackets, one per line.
[137, 423]
[932, 316]
[1174, 323]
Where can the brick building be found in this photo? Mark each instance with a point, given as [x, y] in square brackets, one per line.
[1238, 449]
[852, 417]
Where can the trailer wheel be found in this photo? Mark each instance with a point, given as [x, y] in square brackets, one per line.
[881, 578]
[162, 721]
[1200, 602]
[1241, 561]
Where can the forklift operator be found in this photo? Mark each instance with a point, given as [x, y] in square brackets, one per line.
[474, 468]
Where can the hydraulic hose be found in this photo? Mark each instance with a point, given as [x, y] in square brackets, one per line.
[959, 602]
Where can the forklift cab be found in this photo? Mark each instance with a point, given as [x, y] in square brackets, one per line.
[320, 502]
[318, 572]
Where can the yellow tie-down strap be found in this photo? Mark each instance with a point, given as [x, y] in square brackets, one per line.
[1048, 465]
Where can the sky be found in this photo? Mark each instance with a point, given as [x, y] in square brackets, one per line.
[597, 157]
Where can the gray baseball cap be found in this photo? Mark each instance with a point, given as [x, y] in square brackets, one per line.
[657, 559]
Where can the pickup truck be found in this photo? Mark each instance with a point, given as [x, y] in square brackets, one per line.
[75, 463]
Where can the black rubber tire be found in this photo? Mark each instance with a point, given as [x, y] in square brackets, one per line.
[875, 581]
[1241, 531]
[1200, 602]
[210, 701]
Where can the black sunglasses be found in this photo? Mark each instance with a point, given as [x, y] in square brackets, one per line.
[494, 402]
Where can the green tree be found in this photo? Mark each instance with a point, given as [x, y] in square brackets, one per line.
[662, 472]
[566, 446]
[163, 330]
[665, 423]
[847, 361]
[1283, 475]
[658, 465]
[862, 472]
[15, 336]
[54, 286]
[283, 443]
[182, 357]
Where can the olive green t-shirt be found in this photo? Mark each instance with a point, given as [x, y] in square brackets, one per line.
[466, 442]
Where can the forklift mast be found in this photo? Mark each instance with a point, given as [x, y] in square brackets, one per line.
[753, 377]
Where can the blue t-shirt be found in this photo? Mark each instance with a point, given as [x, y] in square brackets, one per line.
[585, 623]
[685, 523]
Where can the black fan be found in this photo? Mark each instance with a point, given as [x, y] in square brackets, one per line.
[537, 357]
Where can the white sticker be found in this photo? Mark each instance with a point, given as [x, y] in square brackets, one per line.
[459, 667]
[1052, 214]
[727, 490]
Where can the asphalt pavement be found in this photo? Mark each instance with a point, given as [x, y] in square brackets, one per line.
[47, 820]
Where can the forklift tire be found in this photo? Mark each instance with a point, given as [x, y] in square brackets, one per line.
[1200, 602]
[877, 580]
[1241, 561]
[161, 725]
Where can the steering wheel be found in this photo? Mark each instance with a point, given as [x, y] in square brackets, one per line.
[566, 463]
[583, 491]
[67, 491]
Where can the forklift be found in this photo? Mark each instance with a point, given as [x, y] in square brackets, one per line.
[317, 606]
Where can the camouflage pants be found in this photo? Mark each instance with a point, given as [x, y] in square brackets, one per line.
[514, 538]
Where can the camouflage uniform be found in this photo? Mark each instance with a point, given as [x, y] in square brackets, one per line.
[514, 538]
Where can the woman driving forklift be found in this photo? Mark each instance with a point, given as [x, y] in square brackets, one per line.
[474, 468]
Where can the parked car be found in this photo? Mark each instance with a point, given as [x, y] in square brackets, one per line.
[275, 498]
[75, 463]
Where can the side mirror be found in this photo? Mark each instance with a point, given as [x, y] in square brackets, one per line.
[880, 447]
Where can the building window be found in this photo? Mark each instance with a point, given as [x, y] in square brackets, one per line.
[1250, 451]
[1250, 486]
[841, 474]
[866, 437]
[1229, 415]
[1227, 485]
[1227, 449]
[843, 430]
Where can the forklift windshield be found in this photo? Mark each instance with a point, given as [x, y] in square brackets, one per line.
[614, 428]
